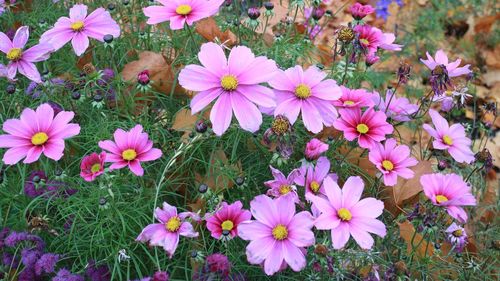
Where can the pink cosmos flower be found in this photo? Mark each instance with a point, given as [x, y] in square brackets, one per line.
[457, 236]
[307, 92]
[130, 149]
[359, 11]
[451, 138]
[448, 191]
[233, 82]
[227, 219]
[278, 235]
[311, 177]
[392, 160]
[79, 27]
[35, 133]
[442, 59]
[399, 109]
[166, 233]
[369, 127]
[92, 166]
[282, 186]
[345, 214]
[354, 98]
[372, 38]
[314, 149]
[23, 60]
[371, 59]
[180, 12]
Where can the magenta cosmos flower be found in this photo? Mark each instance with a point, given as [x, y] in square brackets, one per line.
[180, 12]
[79, 27]
[442, 59]
[282, 186]
[92, 166]
[23, 60]
[399, 109]
[166, 233]
[312, 177]
[359, 11]
[226, 220]
[372, 38]
[278, 235]
[234, 82]
[354, 98]
[314, 149]
[392, 160]
[345, 214]
[35, 133]
[369, 127]
[451, 138]
[448, 191]
[130, 149]
[306, 92]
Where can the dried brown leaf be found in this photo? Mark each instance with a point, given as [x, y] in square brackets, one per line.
[209, 30]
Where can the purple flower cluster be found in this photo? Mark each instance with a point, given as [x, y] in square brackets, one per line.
[217, 267]
[38, 184]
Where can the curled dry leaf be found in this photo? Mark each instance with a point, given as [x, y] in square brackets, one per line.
[209, 30]
[185, 122]
[220, 172]
[415, 242]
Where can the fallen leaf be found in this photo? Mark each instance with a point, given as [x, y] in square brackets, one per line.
[415, 241]
[209, 30]
[184, 121]
[220, 172]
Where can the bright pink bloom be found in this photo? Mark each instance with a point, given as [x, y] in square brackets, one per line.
[282, 186]
[180, 12]
[227, 218]
[92, 166]
[312, 177]
[307, 92]
[354, 98]
[392, 160]
[130, 149]
[369, 127]
[448, 191]
[166, 233]
[372, 38]
[451, 138]
[234, 82]
[314, 149]
[20, 60]
[278, 235]
[371, 59]
[442, 59]
[79, 27]
[35, 133]
[359, 11]
[345, 214]
[399, 109]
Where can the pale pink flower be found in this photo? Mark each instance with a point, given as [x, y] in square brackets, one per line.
[166, 233]
[278, 235]
[354, 98]
[130, 149]
[282, 186]
[307, 92]
[181, 12]
[92, 166]
[369, 127]
[233, 82]
[37, 132]
[450, 138]
[314, 149]
[398, 109]
[392, 160]
[227, 219]
[346, 215]
[359, 11]
[442, 59]
[22, 60]
[79, 27]
[448, 191]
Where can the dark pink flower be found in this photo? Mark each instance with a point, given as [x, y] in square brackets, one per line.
[359, 11]
[354, 98]
[314, 149]
[227, 218]
[92, 166]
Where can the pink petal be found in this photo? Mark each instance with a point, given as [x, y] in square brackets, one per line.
[259, 249]
[150, 155]
[33, 154]
[202, 99]
[239, 60]
[213, 58]
[311, 117]
[80, 43]
[333, 192]
[21, 37]
[351, 191]
[29, 70]
[340, 235]
[5, 43]
[248, 115]
[260, 70]
[258, 94]
[197, 78]
[275, 258]
[294, 256]
[15, 154]
[157, 14]
[221, 114]
[290, 108]
[136, 168]
[254, 230]
[363, 238]
[78, 12]
[54, 149]
[264, 210]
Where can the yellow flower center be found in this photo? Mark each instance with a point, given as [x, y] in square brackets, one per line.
[302, 91]
[348, 102]
[387, 165]
[448, 93]
[15, 54]
[314, 186]
[344, 214]
[227, 225]
[229, 82]
[441, 199]
[280, 232]
[39, 138]
[457, 233]
[95, 168]
[362, 128]
[364, 41]
[173, 224]
[284, 189]
[129, 154]
[447, 140]
[77, 26]
[183, 10]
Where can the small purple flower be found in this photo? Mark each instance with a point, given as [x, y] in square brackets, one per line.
[46, 263]
[65, 275]
[97, 273]
[108, 74]
[457, 236]
[161, 276]
[29, 257]
[282, 186]
[218, 263]
[143, 77]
